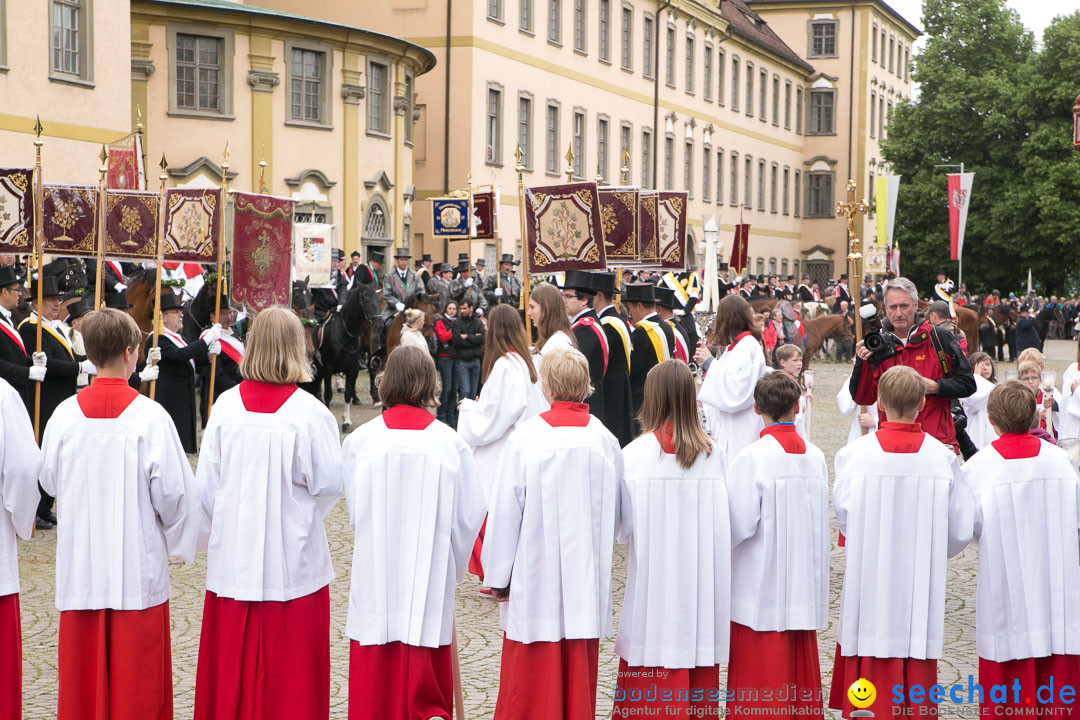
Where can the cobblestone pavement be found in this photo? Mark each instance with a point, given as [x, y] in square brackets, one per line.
[479, 640]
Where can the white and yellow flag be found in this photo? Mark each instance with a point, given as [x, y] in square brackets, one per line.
[886, 188]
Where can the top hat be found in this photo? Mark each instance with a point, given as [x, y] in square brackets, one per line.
[376, 256]
[665, 297]
[579, 280]
[508, 258]
[843, 276]
[445, 267]
[338, 254]
[117, 301]
[640, 292]
[169, 301]
[464, 266]
[417, 263]
[605, 282]
[78, 308]
[48, 289]
[8, 276]
[426, 257]
[480, 262]
[462, 257]
[790, 277]
[402, 253]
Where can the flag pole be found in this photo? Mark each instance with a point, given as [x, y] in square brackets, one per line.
[519, 155]
[39, 245]
[160, 263]
[220, 267]
[99, 275]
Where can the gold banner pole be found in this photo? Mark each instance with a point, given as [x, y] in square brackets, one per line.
[850, 210]
[519, 155]
[220, 267]
[39, 245]
[160, 263]
[99, 274]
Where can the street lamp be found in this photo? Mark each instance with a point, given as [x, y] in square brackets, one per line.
[1076, 124]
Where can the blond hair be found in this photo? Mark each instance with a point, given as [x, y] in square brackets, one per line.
[276, 352]
[901, 389]
[788, 352]
[107, 333]
[409, 378]
[670, 406]
[1033, 355]
[1011, 406]
[1029, 366]
[412, 315]
[564, 373]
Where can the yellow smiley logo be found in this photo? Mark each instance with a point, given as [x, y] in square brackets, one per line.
[862, 693]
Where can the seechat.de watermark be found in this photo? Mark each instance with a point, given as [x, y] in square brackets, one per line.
[999, 700]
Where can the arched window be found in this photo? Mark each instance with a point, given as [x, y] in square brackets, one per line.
[376, 226]
[772, 266]
[761, 266]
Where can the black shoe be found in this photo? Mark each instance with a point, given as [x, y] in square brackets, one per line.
[43, 524]
[52, 518]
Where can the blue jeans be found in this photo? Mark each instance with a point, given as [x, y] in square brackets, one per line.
[447, 411]
[467, 375]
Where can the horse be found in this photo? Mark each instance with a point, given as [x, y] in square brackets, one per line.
[140, 295]
[420, 301]
[69, 273]
[820, 329]
[815, 309]
[967, 321]
[1043, 319]
[759, 305]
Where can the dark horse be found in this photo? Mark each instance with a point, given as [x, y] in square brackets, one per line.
[1049, 314]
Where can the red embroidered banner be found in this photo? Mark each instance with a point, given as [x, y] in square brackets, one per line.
[131, 219]
[16, 210]
[671, 227]
[192, 225]
[485, 215]
[740, 248]
[649, 228]
[619, 219]
[69, 215]
[125, 164]
[562, 226]
[261, 250]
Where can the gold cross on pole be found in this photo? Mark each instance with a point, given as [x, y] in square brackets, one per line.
[851, 210]
[625, 169]
[570, 162]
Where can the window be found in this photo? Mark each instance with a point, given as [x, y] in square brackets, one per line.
[787, 104]
[798, 110]
[602, 149]
[733, 180]
[720, 176]
[579, 144]
[735, 83]
[198, 73]
[627, 31]
[70, 31]
[873, 114]
[605, 30]
[646, 159]
[624, 147]
[881, 55]
[525, 130]
[772, 266]
[748, 182]
[907, 64]
[555, 21]
[688, 169]
[306, 74]
[551, 135]
[776, 100]
[377, 106]
[579, 25]
[720, 78]
[787, 178]
[892, 42]
[669, 73]
[881, 117]
[410, 99]
[774, 172]
[706, 80]
[761, 266]
[819, 194]
[873, 44]
[669, 151]
[750, 89]
[495, 10]
[761, 186]
[823, 38]
[494, 127]
[821, 112]
[689, 65]
[706, 174]
[525, 19]
[647, 47]
[375, 223]
[796, 191]
[888, 116]
[763, 89]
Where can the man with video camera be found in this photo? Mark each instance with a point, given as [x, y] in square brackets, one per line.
[906, 338]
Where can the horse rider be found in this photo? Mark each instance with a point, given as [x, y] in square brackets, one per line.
[439, 285]
[504, 288]
[464, 286]
[400, 284]
[332, 295]
[806, 294]
[371, 273]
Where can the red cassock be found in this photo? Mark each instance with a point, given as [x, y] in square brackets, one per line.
[10, 657]
[1052, 671]
[770, 671]
[668, 692]
[541, 680]
[395, 680]
[883, 673]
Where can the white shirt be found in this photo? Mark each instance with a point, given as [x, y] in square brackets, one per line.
[559, 501]
[903, 515]
[676, 609]
[727, 396]
[126, 501]
[847, 406]
[416, 507]
[509, 398]
[267, 482]
[20, 463]
[780, 530]
[979, 429]
[558, 341]
[1026, 522]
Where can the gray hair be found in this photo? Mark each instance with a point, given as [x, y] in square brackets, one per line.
[902, 283]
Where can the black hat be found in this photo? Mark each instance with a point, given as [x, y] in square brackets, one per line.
[843, 276]
[426, 257]
[605, 282]
[940, 272]
[49, 289]
[8, 276]
[169, 301]
[117, 301]
[223, 304]
[464, 266]
[665, 297]
[579, 280]
[375, 256]
[640, 292]
[402, 253]
[722, 266]
[339, 254]
[462, 258]
[790, 277]
[445, 267]
[417, 263]
[508, 258]
[78, 308]
[480, 262]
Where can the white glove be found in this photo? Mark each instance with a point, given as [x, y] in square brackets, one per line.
[468, 282]
[212, 334]
[400, 307]
[479, 312]
[214, 348]
[154, 356]
[40, 359]
[498, 292]
[37, 373]
[119, 287]
[87, 367]
[150, 374]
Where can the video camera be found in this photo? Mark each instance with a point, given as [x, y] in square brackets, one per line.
[880, 344]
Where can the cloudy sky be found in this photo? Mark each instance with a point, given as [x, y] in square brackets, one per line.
[1035, 14]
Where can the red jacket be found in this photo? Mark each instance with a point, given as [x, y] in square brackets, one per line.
[921, 355]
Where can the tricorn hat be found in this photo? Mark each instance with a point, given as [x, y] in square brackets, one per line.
[579, 280]
[640, 292]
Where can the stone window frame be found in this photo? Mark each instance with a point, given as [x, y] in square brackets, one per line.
[669, 56]
[411, 116]
[749, 68]
[810, 37]
[688, 168]
[554, 29]
[85, 76]
[774, 180]
[669, 161]
[603, 31]
[776, 100]
[603, 155]
[788, 92]
[499, 15]
[228, 55]
[786, 206]
[3, 36]
[720, 156]
[626, 127]
[748, 182]
[796, 192]
[626, 48]
[495, 160]
[826, 211]
[525, 17]
[761, 185]
[706, 173]
[551, 147]
[583, 146]
[648, 25]
[763, 94]
[647, 158]
[733, 179]
[689, 58]
[581, 26]
[384, 132]
[810, 110]
[325, 102]
[527, 148]
[377, 202]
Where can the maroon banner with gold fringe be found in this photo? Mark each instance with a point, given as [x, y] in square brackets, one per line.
[619, 218]
[261, 250]
[69, 220]
[131, 224]
[16, 210]
[671, 227]
[562, 228]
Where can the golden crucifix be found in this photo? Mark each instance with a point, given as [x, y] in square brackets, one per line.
[569, 163]
[851, 210]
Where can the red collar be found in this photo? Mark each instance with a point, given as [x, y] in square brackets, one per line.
[666, 437]
[567, 414]
[788, 438]
[260, 397]
[896, 437]
[738, 338]
[1017, 446]
[407, 417]
[106, 398]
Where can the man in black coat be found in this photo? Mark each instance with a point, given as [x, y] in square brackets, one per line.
[652, 340]
[15, 358]
[578, 295]
[618, 397]
[229, 350]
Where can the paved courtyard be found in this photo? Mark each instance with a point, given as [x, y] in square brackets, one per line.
[477, 620]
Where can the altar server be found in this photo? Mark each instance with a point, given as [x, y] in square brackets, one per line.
[904, 507]
[1027, 612]
[20, 464]
[779, 494]
[673, 633]
[1070, 394]
[557, 503]
[978, 427]
[863, 420]
[790, 359]
[127, 501]
[548, 314]
[509, 397]
[269, 473]
[415, 505]
[727, 395]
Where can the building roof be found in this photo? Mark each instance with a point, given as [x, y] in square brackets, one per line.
[885, 6]
[748, 24]
[242, 8]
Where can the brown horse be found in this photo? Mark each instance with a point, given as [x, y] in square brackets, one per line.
[821, 329]
[761, 304]
[967, 320]
[140, 295]
[419, 301]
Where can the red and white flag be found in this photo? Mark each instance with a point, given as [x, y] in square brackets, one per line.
[959, 200]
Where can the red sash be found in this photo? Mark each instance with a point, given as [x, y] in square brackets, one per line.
[116, 269]
[681, 352]
[601, 336]
[236, 354]
[10, 332]
[179, 342]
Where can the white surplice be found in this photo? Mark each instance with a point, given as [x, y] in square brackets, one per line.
[126, 500]
[780, 532]
[416, 506]
[558, 341]
[903, 515]
[558, 502]
[1069, 404]
[1026, 524]
[727, 396]
[20, 464]
[509, 398]
[675, 612]
[979, 429]
[267, 482]
[847, 406]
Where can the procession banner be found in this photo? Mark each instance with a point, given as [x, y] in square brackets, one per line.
[69, 220]
[485, 221]
[449, 217]
[619, 218]
[192, 226]
[886, 189]
[740, 248]
[875, 260]
[562, 228]
[131, 219]
[126, 165]
[959, 200]
[312, 252]
[648, 227]
[261, 250]
[671, 211]
[16, 210]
